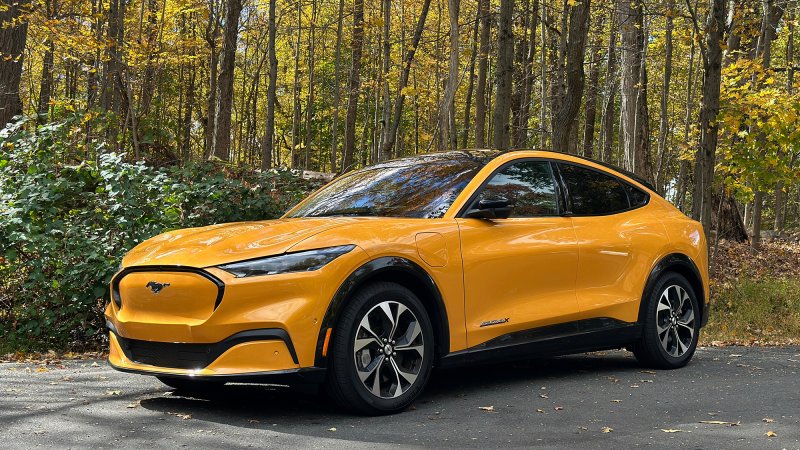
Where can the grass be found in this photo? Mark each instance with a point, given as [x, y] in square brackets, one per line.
[749, 311]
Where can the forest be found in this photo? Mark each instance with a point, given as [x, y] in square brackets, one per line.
[128, 117]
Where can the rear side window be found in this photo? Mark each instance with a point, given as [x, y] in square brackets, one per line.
[594, 193]
[636, 197]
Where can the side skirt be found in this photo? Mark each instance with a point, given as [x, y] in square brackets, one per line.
[562, 339]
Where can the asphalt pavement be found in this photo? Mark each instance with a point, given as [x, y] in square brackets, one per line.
[729, 397]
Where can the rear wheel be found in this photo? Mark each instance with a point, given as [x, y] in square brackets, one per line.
[671, 324]
[185, 385]
[382, 350]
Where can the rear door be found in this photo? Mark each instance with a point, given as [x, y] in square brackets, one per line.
[519, 273]
[617, 239]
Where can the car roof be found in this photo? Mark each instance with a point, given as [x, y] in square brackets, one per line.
[483, 156]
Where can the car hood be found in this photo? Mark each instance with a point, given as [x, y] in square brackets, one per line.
[225, 243]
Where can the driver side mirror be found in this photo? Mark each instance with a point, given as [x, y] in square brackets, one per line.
[490, 208]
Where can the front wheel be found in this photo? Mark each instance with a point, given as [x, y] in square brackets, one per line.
[671, 324]
[382, 350]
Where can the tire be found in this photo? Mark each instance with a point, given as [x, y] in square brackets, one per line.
[194, 386]
[671, 324]
[373, 369]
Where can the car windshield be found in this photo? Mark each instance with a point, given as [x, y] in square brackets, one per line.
[421, 186]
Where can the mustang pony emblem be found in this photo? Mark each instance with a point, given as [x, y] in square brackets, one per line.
[156, 287]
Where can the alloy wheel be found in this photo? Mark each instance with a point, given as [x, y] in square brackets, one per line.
[388, 349]
[675, 321]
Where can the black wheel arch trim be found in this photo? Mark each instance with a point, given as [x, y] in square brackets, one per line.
[685, 264]
[115, 295]
[370, 271]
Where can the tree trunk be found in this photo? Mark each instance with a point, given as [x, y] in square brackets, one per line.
[663, 127]
[296, 109]
[481, 100]
[267, 146]
[635, 120]
[772, 13]
[308, 146]
[518, 89]
[447, 119]
[565, 116]
[591, 93]
[409, 58]
[13, 37]
[471, 85]
[222, 122]
[610, 100]
[504, 72]
[385, 152]
[337, 91]
[354, 85]
[709, 109]
[211, 35]
[46, 84]
[683, 174]
[780, 196]
[527, 94]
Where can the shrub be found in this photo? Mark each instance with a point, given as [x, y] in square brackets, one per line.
[69, 211]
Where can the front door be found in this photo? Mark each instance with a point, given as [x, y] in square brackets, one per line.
[519, 273]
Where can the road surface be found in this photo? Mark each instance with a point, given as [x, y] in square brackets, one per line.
[731, 397]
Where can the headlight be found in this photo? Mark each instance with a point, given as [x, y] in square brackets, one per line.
[290, 262]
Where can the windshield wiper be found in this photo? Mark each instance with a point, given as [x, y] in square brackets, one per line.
[358, 211]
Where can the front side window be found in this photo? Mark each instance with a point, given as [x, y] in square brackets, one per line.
[528, 185]
[593, 193]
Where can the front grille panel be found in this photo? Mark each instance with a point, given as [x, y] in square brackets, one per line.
[167, 354]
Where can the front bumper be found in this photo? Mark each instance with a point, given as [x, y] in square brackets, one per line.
[306, 375]
[263, 355]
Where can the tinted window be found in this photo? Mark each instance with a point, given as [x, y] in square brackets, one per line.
[423, 186]
[528, 185]
[592, 192]
[636, 197]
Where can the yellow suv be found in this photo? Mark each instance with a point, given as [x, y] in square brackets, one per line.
[430, 261]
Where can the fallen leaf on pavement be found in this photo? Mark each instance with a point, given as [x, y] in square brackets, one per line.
[606, 429]
[558, 408]
[720, 422]
[616, 401]
[332, 429]
[540, 411]
[673, 430]
[181, 415]
[42, 369]
[767, 420]
[254, 421]
[113, 392]
[634, 386]
[486, 408]
[735, 355]
[133, 405]
[651, 372]
[771, 434]
[543, 396]
[94, 364]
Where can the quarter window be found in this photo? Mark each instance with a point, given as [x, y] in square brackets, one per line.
[528, 185]
[592, 192]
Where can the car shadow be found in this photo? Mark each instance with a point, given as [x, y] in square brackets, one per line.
[294, 408]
